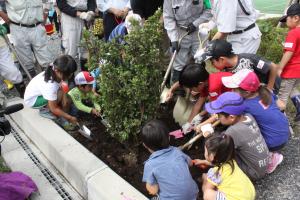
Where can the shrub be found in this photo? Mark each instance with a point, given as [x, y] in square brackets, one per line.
[131, 77]
[272, 38]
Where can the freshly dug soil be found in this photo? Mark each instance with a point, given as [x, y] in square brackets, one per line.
[129, 163]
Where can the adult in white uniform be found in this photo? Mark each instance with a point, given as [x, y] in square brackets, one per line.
[73, 14]
[235, 20]
[114, 13]
[178, 14]
[27, 32]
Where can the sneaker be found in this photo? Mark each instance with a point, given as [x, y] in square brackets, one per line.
[274, 160]
[45, 112]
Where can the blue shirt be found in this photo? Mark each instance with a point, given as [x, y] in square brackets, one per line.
[272, 122]
[95, 73]
[119, 32]
[169, 168]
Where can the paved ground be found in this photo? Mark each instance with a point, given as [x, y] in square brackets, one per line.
[284, 182]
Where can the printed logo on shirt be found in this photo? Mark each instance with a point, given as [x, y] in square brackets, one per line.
[263, 105]
[260, 64]
[244, 63]
[288, 45]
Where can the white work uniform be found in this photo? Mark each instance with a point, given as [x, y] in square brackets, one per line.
[72, 28]
[229, 17]
[104, 5]
[26, 39]
[177, 13]
[8, 69]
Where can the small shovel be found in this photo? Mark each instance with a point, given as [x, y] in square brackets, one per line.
[83, 130]
[105, 122]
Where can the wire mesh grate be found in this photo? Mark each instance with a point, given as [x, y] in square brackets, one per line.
[47, 174]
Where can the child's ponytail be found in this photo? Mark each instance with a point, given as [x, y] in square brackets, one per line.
[65, 64]
[265, 95]
[49, 73]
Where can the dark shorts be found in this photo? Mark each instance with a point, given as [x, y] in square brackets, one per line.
[272, 149]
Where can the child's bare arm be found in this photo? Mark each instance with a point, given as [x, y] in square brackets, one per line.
[197, 107]
[209, 190]
[272, 76]
[201, 162]
[152, 189]
[171, 91]
[56, 110]
[285, 59]
[210, 120]
[220, 36]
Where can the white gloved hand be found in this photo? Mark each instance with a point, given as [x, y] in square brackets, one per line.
[198, 55]
[86, 15]
[196, 120]
[92, 14]
[186, 128]
[204, 28]
[207, 129]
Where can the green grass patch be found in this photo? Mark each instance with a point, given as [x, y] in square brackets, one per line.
[270, 6]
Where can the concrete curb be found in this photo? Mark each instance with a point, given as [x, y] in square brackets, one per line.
[92, 178]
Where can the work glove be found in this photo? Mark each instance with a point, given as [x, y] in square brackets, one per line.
[3, 30]
[92, 14]
[86, 16]
[196, 120]
[207, 129]
[174, 46]
[204, 28]
[186, 128]
[191, 28]
[199, 55]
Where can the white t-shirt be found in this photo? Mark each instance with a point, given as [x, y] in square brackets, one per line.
[38, 87]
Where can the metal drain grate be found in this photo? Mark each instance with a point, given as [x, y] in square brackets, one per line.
[48, 175]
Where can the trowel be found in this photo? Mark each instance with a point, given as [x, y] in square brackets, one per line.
[85, 131]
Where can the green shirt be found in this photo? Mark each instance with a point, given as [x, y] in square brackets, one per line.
[77, 97]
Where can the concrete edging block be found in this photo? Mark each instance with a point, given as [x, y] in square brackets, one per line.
[114, 187]
[85, 172]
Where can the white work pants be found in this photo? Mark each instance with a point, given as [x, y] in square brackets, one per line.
[8, 69]
[71, 34]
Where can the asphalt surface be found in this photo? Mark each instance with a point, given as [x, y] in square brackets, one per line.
[284, 182]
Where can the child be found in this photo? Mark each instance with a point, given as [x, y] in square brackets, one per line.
[261, 104]
[251, 149]
[166, 172]
[83, 92]
[223, 58]
[226, 180]
[201, 84]
[95, 73]
[44, 92]
[125, 28]
[290, 61]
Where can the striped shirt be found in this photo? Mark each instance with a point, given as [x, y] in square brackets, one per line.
[118, 33]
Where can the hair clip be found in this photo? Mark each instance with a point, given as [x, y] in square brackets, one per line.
[52, 66]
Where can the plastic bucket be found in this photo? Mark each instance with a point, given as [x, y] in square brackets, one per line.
[49, 29]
